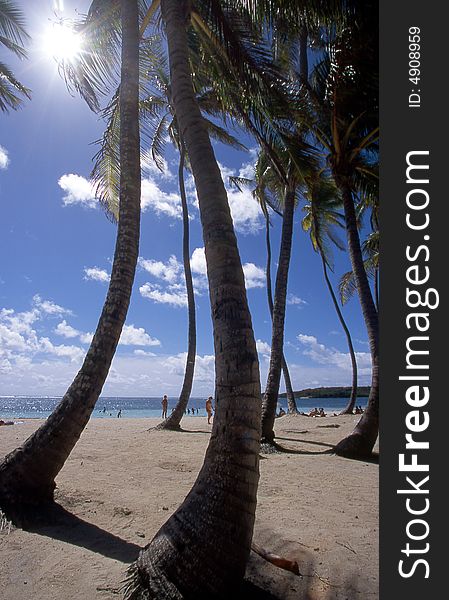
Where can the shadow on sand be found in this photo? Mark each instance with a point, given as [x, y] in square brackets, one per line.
[277, 448]
[59, 524]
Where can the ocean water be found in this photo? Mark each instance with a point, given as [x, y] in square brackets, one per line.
[39, 407]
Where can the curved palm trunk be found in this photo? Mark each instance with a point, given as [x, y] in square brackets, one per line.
[271, 394]
[291, 402]
[202, 550]
[376, 287]
[361, 441]
[351, 403]
[27, 475]
[303, 57]
[174, 420]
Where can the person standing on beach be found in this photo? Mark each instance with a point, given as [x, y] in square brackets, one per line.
[164, 406]
[209, 409]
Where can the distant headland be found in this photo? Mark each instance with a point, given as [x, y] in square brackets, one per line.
[328, 392]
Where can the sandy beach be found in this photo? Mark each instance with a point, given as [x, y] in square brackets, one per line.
[122, 482]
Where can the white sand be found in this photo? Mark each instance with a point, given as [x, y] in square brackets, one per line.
[123, 482]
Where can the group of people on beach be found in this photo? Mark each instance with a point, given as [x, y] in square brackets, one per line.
[209, 408]
[317, 412]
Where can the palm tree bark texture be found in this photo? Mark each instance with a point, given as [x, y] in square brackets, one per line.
[351, 402]
[361, 441]
[202, 550]
[270, 398]
[174, 420]
[291, 402]
[27, 475]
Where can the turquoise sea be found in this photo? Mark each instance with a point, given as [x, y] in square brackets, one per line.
[39, 407]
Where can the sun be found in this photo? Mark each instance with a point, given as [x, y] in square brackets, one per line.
[61, 42]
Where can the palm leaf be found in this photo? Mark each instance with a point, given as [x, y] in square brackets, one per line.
[12, 23]
[11, 90]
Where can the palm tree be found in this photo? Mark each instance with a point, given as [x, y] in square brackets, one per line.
[158, 122]
[27, 475]
[13, 36]
[343, 92]
[370, 249]
[291, 401]
[261, 193]
[270, 398]
[211, 531]
[343, 96]
[174, 420]
[271, 178]
[321, 215]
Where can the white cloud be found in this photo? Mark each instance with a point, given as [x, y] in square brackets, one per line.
[198, 261]
[254, 276]
[86, 338]
[137, 373]
[96, 274]
[66, 330]
[49, 307]
[245, 210]
[172, 290]
[295, 300]
[149, 167]
[137, 336]
[139, 352]
[74, 353]
[163, 203]
[4, 158]
[70, 332]
[331, 356]
[11, 340]
[79, 190]
[172, 297]
[131, 335]
[20, 341]
[263, 348]
[204, 367]
[169, 271]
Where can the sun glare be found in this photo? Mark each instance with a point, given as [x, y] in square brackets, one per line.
[62, 43]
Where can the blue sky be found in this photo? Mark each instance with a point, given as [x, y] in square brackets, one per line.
[57, 245]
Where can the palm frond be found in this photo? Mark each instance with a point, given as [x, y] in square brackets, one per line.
[220, 134]
[95, 71]
[12, 23]
[13, 47]
[11, 90]
[158, 143]
[105, 174]
[347, 287]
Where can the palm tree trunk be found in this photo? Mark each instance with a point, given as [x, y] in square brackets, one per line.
[174, 420]
[202, 550]
[270, 398]
[350, 406]
[27, 475]
[376, 287]
[291, 402]
[303, 57]
[361, 441]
